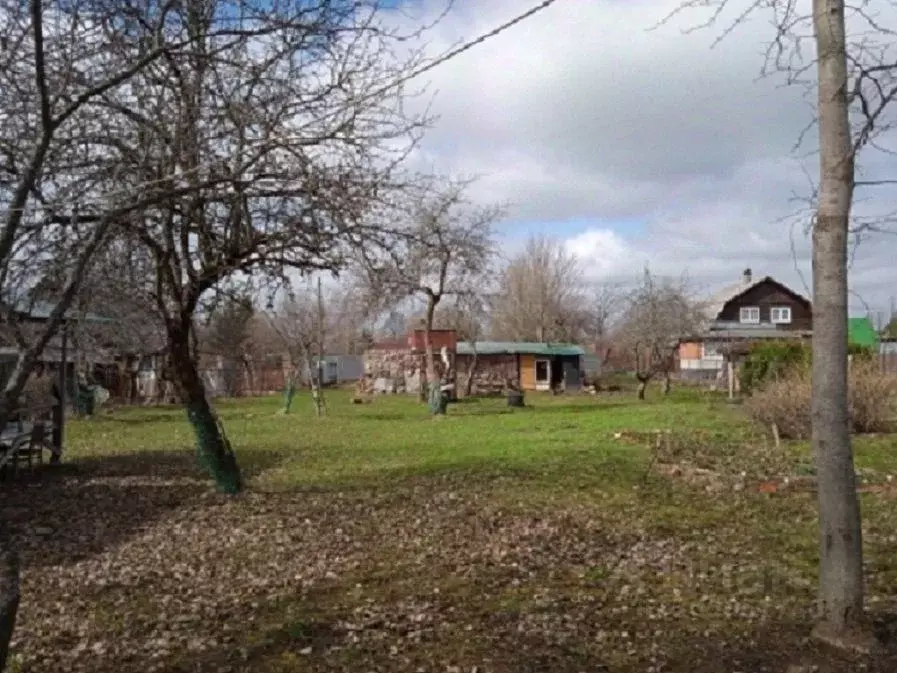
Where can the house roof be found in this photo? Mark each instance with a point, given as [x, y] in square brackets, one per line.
[718, 300]
[41, 310]
[861, 332]
[518, 348]
[727, 330]
[390, 345]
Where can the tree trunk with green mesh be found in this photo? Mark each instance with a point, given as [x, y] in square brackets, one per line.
[437, 399]
[212, 446]
[288, 394]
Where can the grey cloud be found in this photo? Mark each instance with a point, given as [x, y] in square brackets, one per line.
[581, 113]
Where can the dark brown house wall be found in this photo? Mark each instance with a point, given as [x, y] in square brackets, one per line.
[766, 296]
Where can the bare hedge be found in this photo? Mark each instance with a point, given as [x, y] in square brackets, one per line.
[872, 400]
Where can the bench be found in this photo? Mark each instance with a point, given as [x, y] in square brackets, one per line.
[22, 443]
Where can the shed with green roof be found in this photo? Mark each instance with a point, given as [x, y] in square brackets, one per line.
[527, 364]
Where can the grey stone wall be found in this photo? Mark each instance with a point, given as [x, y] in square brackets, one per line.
[391, 371]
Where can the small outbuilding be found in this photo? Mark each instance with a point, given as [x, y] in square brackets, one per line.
[532, 365]
[396, 366]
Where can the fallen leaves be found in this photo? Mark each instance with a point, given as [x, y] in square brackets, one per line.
[128, 573]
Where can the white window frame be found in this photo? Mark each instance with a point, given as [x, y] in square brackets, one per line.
[780, 315]
[714, 354]
[748, 311]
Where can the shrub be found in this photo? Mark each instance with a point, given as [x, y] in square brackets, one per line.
[771, 360]
[784, 402]
[872, 400]
[873, 397]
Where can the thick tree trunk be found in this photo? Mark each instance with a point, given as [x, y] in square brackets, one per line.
[317, 391]
[667, 383]
[642, 386]
[250, 377]
[9, 592]
[422, 394]
[840, 535]
[471, 373]
[212, 446]
[428, 373]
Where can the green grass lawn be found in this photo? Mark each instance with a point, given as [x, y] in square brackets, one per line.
[550, 538]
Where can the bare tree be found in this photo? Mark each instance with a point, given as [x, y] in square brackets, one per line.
[301, 323]
[841, 541]
[348, 324]
[396, 324]
[227, 336]
[51, 71]
[447, 245]
[58, 61]
[657, 314]
[855, 84]
[467, 315]
[603, 303]
[540, 295]
[266, 145]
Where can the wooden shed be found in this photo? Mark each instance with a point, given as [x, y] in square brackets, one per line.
[535, 366]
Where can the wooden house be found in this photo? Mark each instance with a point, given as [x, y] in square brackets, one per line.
[740, 314]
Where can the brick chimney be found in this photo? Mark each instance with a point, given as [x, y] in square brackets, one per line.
[748, 277]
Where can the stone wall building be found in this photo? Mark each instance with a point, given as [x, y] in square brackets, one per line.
[396, 366]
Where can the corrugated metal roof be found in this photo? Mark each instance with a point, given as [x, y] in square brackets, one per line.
[737, 331]
[41, 310]
[518, 347]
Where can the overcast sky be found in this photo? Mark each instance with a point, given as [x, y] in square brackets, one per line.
[639, 146]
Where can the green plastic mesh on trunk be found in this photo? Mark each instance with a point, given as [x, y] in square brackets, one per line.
[288, 395]
[438, 400]
[214, 450]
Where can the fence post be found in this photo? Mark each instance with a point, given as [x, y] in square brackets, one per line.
[730, 367]
[59, 409]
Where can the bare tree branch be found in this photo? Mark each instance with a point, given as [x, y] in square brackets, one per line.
[445, 250]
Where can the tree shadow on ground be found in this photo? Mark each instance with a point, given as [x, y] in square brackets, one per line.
[61, 514]
[773, 647]
[321, 639]
[392, 416]
[567, 408]
[136, 416]
[483, 474]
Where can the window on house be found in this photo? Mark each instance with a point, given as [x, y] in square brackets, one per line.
[780, 315]
[710, 350]
[542, 371]
[750, 315]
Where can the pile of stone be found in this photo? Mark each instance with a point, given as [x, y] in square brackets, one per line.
[391, 372]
